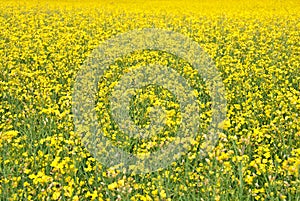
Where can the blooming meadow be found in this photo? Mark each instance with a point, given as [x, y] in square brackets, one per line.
[254, 46]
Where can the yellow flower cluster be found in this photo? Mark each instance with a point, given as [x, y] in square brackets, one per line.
[255, 47]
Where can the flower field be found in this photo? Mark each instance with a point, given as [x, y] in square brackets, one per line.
[255, 47]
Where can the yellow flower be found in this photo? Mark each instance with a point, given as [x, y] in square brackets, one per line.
[8, 135]
[162, 194]
[249, 179]
[112, 186]
[56, 195]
